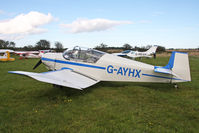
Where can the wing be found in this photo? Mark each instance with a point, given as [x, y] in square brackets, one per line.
[63, 77]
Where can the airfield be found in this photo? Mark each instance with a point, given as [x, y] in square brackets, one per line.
[27, 105]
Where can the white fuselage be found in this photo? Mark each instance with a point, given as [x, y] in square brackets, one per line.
[109, 68]
[136, 54]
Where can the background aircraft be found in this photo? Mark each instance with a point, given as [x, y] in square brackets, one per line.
[28, 54]
[136, 54]
[6, 56]
[80, 68]
[32, 54]
[4, 50]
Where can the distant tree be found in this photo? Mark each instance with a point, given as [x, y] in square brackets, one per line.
[59, 47]
[102, 47]
[42, 44]
[136, 48]
[29, 47]
[161, 49]
[6, 44]
[127, 46]
[12, 45]
[2, 43]
[143, 48]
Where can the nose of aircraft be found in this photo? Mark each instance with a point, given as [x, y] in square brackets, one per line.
[48, 59]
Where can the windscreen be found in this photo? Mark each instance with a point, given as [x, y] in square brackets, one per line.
[126, 51]
[83, 54]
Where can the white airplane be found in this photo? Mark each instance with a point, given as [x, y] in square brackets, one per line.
[47, 51]
[80, 68]
[32, 54]
[136, 54]
[28, 54]
[4, 50]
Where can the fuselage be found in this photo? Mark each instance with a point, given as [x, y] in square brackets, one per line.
[135, 54]
[108, 68]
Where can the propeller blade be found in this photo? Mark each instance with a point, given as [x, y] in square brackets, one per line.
[38, 63]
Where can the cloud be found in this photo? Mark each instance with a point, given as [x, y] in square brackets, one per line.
[25, 24]
[86, 25]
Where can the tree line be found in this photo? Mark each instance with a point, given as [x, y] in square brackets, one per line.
[45, 44]
[40, 45]
[105, 48]
[6, 44]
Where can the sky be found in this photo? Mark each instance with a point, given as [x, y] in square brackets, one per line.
[88, 23]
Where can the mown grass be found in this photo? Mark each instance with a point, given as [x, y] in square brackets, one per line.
[27, 105]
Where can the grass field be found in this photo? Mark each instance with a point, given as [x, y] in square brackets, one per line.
[27, 105]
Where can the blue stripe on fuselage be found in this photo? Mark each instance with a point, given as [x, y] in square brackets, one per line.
[157, 76]
[72, 63]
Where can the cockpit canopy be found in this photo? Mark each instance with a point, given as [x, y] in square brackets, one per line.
[83, 54]
[126, 51]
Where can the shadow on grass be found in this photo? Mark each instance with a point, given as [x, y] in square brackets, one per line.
[54, 92]
[154, 86]
[158, 86]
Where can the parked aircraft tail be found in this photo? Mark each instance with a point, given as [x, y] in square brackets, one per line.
[7, 54]
[178, 67]
[180, 61]
[152, 50]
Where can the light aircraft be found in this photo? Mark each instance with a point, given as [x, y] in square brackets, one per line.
[136, 54]
[46, 51]
[32, 54]
[80, 68]
[6, 56]
[4, 50]
[28, 54]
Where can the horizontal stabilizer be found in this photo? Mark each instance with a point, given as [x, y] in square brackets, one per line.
[63, 77]
[162, 70]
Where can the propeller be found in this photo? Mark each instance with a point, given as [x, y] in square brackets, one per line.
[38, 63]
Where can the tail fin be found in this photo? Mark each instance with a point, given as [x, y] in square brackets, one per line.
[8, 54]
[179, 64]
[152, 50]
